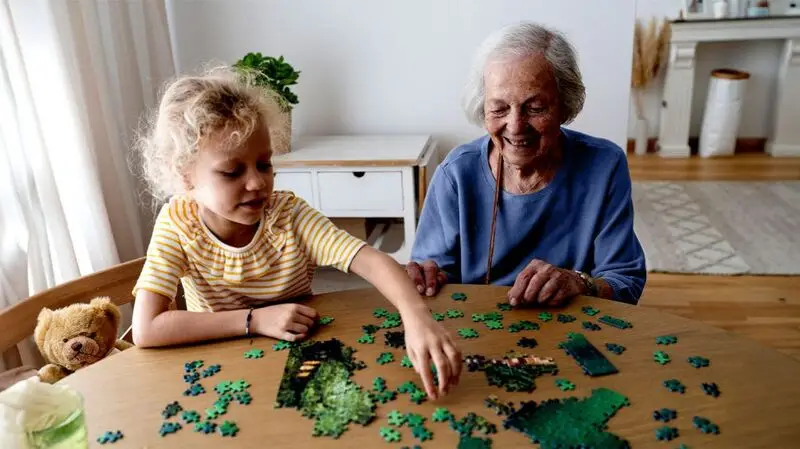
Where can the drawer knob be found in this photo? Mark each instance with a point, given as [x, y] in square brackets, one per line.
[359, 174]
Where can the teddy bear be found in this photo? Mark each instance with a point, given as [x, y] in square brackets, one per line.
[76, 336]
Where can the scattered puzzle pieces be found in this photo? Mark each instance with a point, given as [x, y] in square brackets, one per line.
[666, 433]
[438, 316]
[504, 307]
[467, 332]
[565, 318]
[406, 362]
[239, 386]
[441, 414]
[589, 326]
[589, 310]
[675, 386]
[704, 425]
[395, 339]
[421, 433]
[415, 419]
[110, 437]
[190, 416]
[545, 316]
[565, 385]
[194, 365]
[281, 345]
[172, 409]
[366, 339]
[454, 313]
[710, 389]
[389, 435]
[254, 354]
[326, 320]
[192, 377]
[384, 358]
[228, 429]
[211, 370]
[615, 348]
[494, 324]
[390, 323]
[380, 312]
[666, 340]
[205, 427]
[458, 297]
[661, 357]
[665, 415]
[527, 342]
[168, 428]
[698, 362]
[383, 396]
[499, 407]
[417, 397]
[523, 325]
[588, 357]
[194, 390]
[244, 398]
[396, 418]
[619, 323]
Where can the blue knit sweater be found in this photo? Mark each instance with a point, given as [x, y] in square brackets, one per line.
[582, 220]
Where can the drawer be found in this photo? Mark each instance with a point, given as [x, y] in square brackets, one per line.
[298, 182]
[360, 191]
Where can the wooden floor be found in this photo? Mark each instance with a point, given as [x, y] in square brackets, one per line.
[762, 308]
[744, 167]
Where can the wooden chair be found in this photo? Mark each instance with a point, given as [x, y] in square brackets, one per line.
[18, 321]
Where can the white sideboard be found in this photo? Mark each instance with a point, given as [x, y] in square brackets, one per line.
[361, 176]
[784, 140]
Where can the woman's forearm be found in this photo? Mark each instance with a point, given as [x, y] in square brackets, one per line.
[154, 325]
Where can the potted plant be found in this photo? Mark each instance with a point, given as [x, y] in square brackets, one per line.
[277, 75]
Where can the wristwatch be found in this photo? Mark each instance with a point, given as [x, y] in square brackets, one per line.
[588, 281]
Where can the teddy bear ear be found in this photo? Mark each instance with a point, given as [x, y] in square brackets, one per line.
[111, 309]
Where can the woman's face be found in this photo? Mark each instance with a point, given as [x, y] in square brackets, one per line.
[522, 108]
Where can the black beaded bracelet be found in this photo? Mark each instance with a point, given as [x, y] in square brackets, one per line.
[247, 323]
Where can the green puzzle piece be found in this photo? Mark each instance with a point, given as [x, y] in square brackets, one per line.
[396, 418]
[326, 320]
[366, 339]
[384, 358]
[661, 357]
[389, 435]
[467, 332]
[545, 316]
[494, 324]
[406, 362]
[590, 359]
[254, 354]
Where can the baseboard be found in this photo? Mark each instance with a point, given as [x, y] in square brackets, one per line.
[743, 145]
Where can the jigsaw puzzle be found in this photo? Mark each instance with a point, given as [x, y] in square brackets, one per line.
[590, 359]
[513, 374]
[570, 422]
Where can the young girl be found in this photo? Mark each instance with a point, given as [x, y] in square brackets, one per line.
[237, 245]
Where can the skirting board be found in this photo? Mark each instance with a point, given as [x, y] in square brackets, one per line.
[743, 145]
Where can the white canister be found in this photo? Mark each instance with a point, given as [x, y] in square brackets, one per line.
[720, 9]
[723, 112]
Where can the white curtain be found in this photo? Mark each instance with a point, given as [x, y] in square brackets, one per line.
[75, 78]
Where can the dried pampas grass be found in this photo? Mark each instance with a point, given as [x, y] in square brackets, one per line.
[649, 56]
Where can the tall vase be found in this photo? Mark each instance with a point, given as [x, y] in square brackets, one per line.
[640, 147]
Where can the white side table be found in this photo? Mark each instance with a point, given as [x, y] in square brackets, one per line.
[362, 176]
[784, 140]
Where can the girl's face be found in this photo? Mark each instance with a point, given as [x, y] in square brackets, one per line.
[233, 186]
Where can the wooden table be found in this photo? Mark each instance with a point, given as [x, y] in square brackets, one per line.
[758, 407]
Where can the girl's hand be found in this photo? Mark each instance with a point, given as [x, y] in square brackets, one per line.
[426, 341]
[290, 322]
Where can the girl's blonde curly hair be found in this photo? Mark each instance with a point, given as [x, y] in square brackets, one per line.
[221, 103]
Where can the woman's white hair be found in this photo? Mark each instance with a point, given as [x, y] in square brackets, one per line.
[523, 39]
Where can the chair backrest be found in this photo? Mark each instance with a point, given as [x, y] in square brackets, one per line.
[19, 321]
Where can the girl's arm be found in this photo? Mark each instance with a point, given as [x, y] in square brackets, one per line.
[426, 340]
[155, 325]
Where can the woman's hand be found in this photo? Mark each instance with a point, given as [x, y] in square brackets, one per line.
[545, 284]
[426, 341]
[428, 277]
[290, 322]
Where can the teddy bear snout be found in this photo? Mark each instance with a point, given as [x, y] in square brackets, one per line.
[81, 350]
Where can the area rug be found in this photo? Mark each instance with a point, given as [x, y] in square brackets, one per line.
[719, 227]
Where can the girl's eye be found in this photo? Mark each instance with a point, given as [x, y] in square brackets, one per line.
[263, 166]
[230, 174]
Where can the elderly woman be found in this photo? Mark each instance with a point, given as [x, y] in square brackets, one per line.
[531, 204]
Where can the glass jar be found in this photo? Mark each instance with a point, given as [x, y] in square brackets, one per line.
[68, 432]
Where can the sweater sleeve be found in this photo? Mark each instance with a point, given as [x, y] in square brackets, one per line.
[618, 255]
[437, 236]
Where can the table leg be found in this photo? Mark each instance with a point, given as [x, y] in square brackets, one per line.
[785, 139]
[676, 107]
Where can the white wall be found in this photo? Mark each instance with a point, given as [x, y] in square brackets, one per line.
[759, 58]
[398, 67]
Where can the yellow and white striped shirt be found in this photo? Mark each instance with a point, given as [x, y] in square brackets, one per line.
[291, 241]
